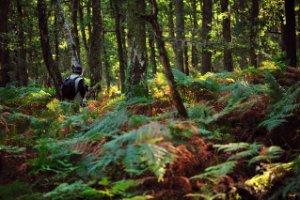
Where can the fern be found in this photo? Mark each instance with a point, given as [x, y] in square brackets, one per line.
[14, 190]
[272, 153]
[200, 112]
[242, 90]
[291, 185]
[24, 95]
[109, 125]
[253, 151]
[54, 156]
[12, 149]
[216, 170]
[276, 92]
[81, 190]
[136, 151]
[283, 108]
[137, 100]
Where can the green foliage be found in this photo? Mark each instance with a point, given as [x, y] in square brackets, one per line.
[283, 108]
[276, 92]
[200, 112]
[12, 149]
[24, 95]
[14, 190]
[108, 125]
[242, 90]
[253, 151]
[137, 100]
[291, 185]
[53, 156]
[136, 152]
[81, 190]
[273, 174]
[216, 171]
[138, 120]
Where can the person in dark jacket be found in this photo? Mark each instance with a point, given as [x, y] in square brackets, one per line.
[80, 86]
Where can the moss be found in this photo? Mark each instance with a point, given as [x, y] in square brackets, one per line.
[273, 174]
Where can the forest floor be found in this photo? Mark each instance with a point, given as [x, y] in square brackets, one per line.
[241, 141]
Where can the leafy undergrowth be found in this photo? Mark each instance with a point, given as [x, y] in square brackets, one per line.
[241, 141]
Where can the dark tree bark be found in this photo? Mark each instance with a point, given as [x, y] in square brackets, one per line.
[206, 28]
[298, 28]
[121, 52]
[71, 44]
[47, 54]
[22, 62]
[165, 62]
[88, 13]
[75, 10]
[186, 59]
[283, 35]
[152, 52]
[96, 45]
[82, 27]
[137, 63]
[228, 63]
[171, 25]
[195, 57]
[179, 11]
[253, 32]
[56, 37]
[4, 52]
[106, 67]
[290, 32]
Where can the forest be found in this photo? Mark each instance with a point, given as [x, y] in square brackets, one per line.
[178, 99]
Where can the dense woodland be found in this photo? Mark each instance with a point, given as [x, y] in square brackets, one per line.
[188, 99]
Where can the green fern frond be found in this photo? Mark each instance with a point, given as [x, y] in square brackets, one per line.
[233, 147]
[283, 108]
[108, 125]
[200, 111]
[272, 153]
[243, 154]
[245, 149]
[253, 151]
[12, 149]
[136, 151]
[156, 158]
[217, 170]
[276, 91]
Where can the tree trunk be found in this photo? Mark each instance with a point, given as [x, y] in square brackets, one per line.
[22, 62]
[186, 59]
[75, 9]
[96, 45]
[71, 44]
[152, 52]
[195, 60]
[179, 11]
[82, 27]
[118, 27]
[4, 52]
[206, 28]
[137, 64]
[290, 42]
[228, 63]
[56, 36]
[106, 68]
[47, 54]
[253, 32]
[88, 13]
[171, 25]
[298, 28]
[165, 62]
